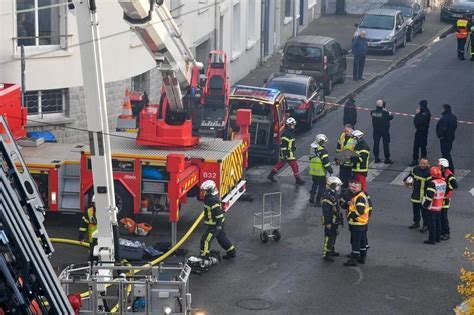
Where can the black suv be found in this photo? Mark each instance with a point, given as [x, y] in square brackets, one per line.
[321, 57]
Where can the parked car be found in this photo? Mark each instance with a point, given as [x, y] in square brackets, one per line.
[413, 13]
[321, 57]
[386, 29]
[455, 9]
[304, 96]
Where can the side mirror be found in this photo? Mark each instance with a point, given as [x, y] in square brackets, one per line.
[345, 52]
[265, 80]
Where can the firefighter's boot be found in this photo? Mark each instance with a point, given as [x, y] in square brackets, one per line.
[311, 197]
[271, 176]
[230, 254]
[299, 181]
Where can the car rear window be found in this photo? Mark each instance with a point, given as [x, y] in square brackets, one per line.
[378, 22]
[256, 108]
[288, 87]
[303, 54]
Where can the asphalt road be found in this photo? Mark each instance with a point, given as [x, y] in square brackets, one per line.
[402, 275]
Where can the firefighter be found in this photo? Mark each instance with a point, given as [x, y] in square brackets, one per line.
[360, 163]
[319, 165]
[214, 221]
[461, 36]
[433, 202]
[471, 43]
[345, 142]
[358, 217]
[332, 217]
[451, 184]
[417, 179]
[287, 153]
[88, 228]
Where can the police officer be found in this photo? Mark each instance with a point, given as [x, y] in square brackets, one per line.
[332, 217]
[350, 111]
[214, 221]
[381, 124]
[446, 132]
[88, 228]
[451, 184]
[345, 142]
[422, 125]
[287, 153]
[358, 217]
[360, 163]
[433, 202]
[319, 165]
[461, 36]
[417, 179]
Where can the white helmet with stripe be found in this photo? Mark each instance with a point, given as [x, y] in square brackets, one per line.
[209, 187]
[443, 162]
[357, 134]
[291, 121]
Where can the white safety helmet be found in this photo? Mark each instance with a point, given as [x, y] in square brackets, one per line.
[93, 198]
[409, 181]
[291, 121]
[357, 134]
[209, 187]
[443, 162]
[320, 139]
[334, 181]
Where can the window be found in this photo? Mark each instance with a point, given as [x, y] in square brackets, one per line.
[288, 6]
[251, 25]
[236, 29]
[303, 54]
[138, 83]
[40, 22]
[175, 8]
[40, 103]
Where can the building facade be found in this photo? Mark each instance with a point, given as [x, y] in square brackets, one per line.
[248, 30]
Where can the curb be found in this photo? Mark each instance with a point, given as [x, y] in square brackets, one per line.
[394, 65]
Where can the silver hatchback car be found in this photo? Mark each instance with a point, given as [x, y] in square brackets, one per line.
[385, 28]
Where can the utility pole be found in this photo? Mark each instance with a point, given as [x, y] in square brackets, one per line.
[295, 19]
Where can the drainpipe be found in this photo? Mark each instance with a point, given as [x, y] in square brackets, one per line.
[262, 30]
[295, 23]
[217, 22]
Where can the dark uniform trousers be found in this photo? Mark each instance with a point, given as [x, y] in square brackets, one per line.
[385, 136]
[461, 46]
[418, 213]
[319, 184]
[446, 147]
[330, 236]
[444, 222]
[434, 225]
[345, 174]
[359, 241]
[421, 140]
[208, 237]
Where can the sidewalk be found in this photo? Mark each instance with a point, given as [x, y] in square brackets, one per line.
[377, 64]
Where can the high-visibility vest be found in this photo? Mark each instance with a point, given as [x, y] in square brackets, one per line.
[342, 145]
[361, 219]
[447, 175]
[316, 167]
[439, 192]
[91, 223]
[461, 28]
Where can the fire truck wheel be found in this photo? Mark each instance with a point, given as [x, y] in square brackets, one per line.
[123, 201]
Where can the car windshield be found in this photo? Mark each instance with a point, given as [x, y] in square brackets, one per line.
[288, 87]
[303, 54]
[405, 9]
[378, 22]
[256, 107]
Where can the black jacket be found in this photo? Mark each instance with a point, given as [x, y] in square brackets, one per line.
[420, 178]
[288, 145]
[330, 205]
[350, 113]
[360, 163]
[446, 127]
[213, 214]
[381, 119]
[422, 120]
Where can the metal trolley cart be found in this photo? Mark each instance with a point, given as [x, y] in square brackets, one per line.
[269, 220]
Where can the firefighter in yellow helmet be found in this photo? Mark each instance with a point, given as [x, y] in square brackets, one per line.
[462, 32]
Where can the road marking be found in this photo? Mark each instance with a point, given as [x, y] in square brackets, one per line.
[365, 73]
[374, 170]
[472, 191]
[331, 97]
[410, 44]
[399, 179]
[373, 59]
[460, 174]
[303, 163]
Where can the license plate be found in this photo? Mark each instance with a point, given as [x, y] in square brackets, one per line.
[457, 15]
[371, 44]
[295, 71]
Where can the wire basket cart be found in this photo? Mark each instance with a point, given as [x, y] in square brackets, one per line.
[268, 221]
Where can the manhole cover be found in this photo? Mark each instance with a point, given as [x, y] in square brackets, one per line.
[254, 304]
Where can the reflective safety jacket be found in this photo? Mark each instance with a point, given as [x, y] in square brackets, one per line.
[451, 184]
[420, 178]
[213, 214]
[319, 163]
[88, 225]
[359, 209]
[330, 205]
[345, 143]
[434, 196]
[461, 26]
[360, 164]
[287, 145]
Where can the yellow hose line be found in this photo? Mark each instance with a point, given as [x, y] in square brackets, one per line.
[152, 263]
